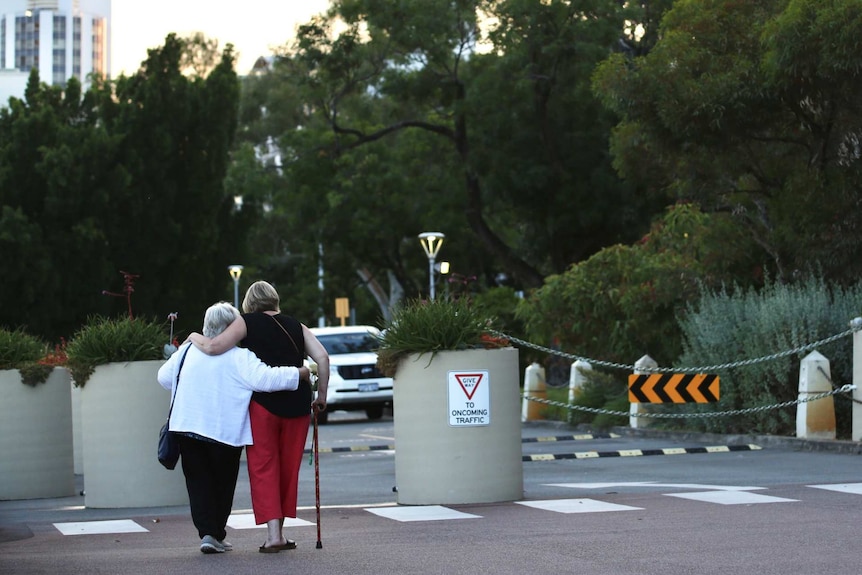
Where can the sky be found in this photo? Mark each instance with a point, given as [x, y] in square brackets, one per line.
[253, 28]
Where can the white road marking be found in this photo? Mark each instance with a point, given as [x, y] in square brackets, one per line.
[730, 497]
[100, 527]
[421, 513]
[577, 506]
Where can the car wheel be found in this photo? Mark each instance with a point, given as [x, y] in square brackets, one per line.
[375, 412]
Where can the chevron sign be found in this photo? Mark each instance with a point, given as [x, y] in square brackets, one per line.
[673, 388]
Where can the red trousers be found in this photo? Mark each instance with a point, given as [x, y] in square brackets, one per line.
[274, 461]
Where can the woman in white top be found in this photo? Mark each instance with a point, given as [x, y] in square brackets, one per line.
[210, 418]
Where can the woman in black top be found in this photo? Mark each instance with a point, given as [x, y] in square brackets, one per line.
[279, 420]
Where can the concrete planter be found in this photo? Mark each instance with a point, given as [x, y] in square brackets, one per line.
[36, 437]
[122, 409]
[453, 443]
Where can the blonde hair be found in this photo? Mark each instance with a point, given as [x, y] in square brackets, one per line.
[217, 317]
[260, 296]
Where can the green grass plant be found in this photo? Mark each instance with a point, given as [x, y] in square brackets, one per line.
[420, 327]
[18, 347]
[107, 340]
[22, 351]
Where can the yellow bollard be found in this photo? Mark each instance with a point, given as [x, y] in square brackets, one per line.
[534, 386]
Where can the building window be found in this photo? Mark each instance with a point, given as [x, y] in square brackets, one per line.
[27, 42]
[99, 46]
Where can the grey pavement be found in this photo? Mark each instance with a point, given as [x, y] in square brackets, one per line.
[796, 510]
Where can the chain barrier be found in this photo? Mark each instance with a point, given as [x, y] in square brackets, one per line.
[832, 383]
[715, 414]
[855, 325]
[703, 369]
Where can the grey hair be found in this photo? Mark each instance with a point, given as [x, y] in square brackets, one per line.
[218, 317]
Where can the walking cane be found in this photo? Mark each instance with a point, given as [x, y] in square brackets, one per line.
[316, 480]
[313, 369]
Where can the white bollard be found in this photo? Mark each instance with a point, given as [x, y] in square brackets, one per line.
[815, 419]
[642, 366]
[534, 386]
[577, 379]
[856, 432]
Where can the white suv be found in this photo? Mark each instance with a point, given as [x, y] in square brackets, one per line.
[355, 383]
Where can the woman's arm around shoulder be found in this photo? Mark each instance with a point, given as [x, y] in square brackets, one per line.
[230, 337]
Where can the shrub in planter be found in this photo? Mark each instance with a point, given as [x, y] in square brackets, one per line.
[26, 353]
[430, 326]
[107, 340]
[426, 347]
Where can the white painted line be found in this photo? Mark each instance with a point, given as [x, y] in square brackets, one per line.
[730, 497]
[246, 521]
[576, 506]
[421, 513]
[699, 486]
[600, 485]
[100, 527]
[854, 488]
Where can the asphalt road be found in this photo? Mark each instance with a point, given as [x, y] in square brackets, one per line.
[644, 503]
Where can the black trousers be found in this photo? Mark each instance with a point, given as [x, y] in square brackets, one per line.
[211, 471]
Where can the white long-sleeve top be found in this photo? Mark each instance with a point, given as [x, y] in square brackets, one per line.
[214, 391]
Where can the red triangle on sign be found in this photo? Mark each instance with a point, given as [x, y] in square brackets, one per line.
[469, 382]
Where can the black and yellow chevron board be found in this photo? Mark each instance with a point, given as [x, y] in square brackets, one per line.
[673, 388]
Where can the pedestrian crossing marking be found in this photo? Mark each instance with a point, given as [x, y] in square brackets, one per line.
[731, 497]
[697, 486]
[246, 521]
[577, 506]
[100, 527]
[421, 513]
[706, 493]
[852, 488]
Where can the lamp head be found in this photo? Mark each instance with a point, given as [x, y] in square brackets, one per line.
[431, 242]
[235, 272]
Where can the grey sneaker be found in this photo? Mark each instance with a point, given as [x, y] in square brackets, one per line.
[226, 544]
[210, 544]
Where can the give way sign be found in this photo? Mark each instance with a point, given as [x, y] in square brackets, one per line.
[469, 398]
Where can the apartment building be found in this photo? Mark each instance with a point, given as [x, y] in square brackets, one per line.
[59, 38]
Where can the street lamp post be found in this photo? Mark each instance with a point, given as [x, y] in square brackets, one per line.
[431, 242]
[235, 271]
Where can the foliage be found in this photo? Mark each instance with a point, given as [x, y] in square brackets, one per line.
[473, 118]
[18, 347]
[744, 108]
[623, 302]
[601, 391]
[27, 353]
[729, 325]
[105, 340]
[421, 327]
[127, 175]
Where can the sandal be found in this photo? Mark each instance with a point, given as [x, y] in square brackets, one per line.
[291, 544]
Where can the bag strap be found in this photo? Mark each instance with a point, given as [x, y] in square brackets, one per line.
[174, 396]
[296, 347]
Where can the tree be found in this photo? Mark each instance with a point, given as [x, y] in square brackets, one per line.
[128, 176]
[742, 107]
[401, 104]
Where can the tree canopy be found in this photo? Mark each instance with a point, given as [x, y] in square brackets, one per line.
[125, 177]
[474, 118]
[752, 108]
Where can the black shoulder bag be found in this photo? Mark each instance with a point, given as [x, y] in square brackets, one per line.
[169, 449]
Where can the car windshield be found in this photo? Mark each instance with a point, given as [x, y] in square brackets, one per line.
[348, 343]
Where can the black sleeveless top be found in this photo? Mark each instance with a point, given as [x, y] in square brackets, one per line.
[266, 338]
